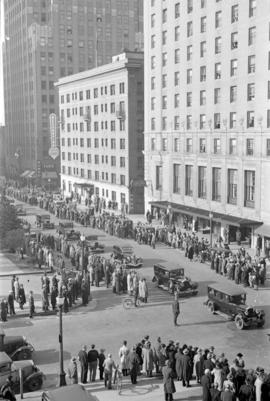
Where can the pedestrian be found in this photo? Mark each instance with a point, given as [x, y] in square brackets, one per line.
[16, 288]
[148, 359]
[247, 391]
[4, 310]
[92, 358]
[124, 356]
[82, 356]
[31, 304]
[101, 359]
[72, 371]
[215, 392]
[11, 303]
[13, 284]
[206, 385]
[156, 351]
[134, 364]
[228, 394]
[175, 309]
[22, 298]
[45, 299]
[54, 294]
[168, 381]
[108, 365]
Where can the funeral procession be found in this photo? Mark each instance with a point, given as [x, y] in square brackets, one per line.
[134, 204]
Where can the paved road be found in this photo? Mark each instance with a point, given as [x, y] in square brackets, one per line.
[105, 322]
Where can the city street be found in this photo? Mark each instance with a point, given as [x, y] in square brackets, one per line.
[105, 323]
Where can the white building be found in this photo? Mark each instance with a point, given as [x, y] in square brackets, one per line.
[207, 113]
[101, 133]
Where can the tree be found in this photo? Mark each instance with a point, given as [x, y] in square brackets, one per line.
[8, 220]
[14, 239]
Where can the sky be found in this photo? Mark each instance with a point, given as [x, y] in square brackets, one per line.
[2, 113]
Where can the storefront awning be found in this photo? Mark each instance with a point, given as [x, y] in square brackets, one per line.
[263, 230]
[49, 174]
[25, 173]
[234, 220]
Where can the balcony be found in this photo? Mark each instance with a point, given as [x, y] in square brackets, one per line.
[120, 114]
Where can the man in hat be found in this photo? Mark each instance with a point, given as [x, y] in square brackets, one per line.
[134, 362]
[108, 365]
[175, 309]
[206, 385]
[227, 394]
[101, 359]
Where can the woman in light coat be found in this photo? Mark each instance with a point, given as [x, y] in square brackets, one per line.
[124, 358]
[148, 359]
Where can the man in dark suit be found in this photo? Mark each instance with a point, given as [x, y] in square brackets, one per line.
[84, 364]
[206, 385]
[175, 309]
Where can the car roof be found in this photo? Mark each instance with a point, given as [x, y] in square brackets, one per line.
[227, 288]
[68, 393]
[168, 266]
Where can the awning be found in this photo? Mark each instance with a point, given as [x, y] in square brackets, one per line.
[263, 230]
[235, 220]
[49, 174]
[25, 173]
[31, 174]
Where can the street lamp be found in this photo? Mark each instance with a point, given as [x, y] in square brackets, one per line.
[211, 218]
[82, 238]
[49, 184]
[60, 303]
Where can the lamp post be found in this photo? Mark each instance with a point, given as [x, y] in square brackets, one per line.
[211, 218]
[62, 375]
[82, 238]
[49, 184]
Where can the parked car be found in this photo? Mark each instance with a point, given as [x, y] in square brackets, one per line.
[95, 247]
[64, 225]
[126, 254]
[17, 347]
[230, 301]
[171, 277]
[32, 376]
[68, 393]
[20, 209]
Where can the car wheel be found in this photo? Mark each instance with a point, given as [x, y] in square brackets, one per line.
[239, 322]
[127, 303]
[34, 384]
[211, 307]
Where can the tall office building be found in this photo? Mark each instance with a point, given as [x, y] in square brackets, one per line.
[46, 40]
[207, 114]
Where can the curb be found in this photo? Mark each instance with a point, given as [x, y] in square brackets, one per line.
[22, 273]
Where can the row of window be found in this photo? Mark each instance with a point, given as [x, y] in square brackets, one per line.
[96, 142]
[95, 175]
[103, 108]
[189, 9]
[103, 90]
[104, 192]
[209, 124]
[97, 159]
[216, 191]
[97, 125]
[216, 146]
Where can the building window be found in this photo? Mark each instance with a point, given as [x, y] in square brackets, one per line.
[95, 93]
[250, 147]
[153, 41]
[153, 82]
[164, 144]
[153, 123]
[153, 103]
[177, 10]
[164, 102]
[164, 59]
[203, 73]
[217, 70]
[250, 91]
[217, 146]
[164, 38]
[202, 182]
[203, 24]
[189, 29]
[251, 64]
[189, 122]
[122, 143]
[232, 146]
[189, 52]
[164, 15]
[234, 40]
[218, 45]
[202, 98]
[252, 7]
[202, 49]
[177, 56]
[153, 144]
[202, 145]
[189, 145]
[176, 123]
[158, 178]
[218, 19]
[153, 62]
[113, 178]
[268, 147]
[164, 80]
[164, 123]
[122, 87]
[202, 121]
[233, 94]
[250, 119]
[189, 99]
[203, 3]
[234, 13]
[153, 20]
[176, 178]
[177, 33]
[268, 119]
[122, 161]
[233, 67]
[249, 188]
[176, 78]
[232, 186]
[96, 159]
[216, 184]
[189, 76]
[112, 90]
[176, 147]
[251, 36]
[189, 180]
[189, 6]
[217, 95]
[233, 120]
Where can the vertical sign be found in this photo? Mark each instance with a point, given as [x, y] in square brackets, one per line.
[52, 118]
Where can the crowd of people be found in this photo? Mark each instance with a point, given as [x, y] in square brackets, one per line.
[220, 379]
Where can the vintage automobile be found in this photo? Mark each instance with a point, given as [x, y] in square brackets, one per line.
[68, 393]
[43, 221]
[126, 254]
[64, 225]
[20, 209]
[95, 247]
[229, 300]
[32, 376]
[17, 347]
[171, 277]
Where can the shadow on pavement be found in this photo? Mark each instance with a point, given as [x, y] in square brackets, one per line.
[47, 356]
[16, 323]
